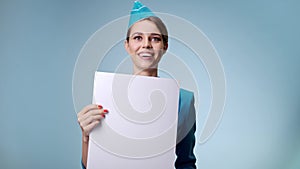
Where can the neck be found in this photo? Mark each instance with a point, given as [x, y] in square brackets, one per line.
[146, 72]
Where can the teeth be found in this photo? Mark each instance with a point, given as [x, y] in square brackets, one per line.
[145, 55]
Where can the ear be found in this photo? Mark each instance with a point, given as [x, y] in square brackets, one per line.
[166, 47]
[126, 46]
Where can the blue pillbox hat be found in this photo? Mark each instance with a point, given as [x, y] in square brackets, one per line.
[139, 12]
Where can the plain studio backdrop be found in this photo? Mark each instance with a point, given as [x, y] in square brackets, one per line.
[257, 42]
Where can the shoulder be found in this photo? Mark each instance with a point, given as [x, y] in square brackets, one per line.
[185, 97]
[186, 104]
[186, 114]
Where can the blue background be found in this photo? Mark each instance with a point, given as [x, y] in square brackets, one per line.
[257, 41]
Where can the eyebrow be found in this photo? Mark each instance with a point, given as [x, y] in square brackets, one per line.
[140, 33]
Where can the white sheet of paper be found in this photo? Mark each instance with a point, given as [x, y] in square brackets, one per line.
[140, 129]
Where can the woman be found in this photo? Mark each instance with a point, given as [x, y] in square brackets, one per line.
[146, 43]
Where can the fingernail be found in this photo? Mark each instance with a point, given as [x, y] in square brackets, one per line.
[100, 107]
[105, 111]
[103, 115]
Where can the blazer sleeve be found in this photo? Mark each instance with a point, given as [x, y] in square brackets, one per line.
[185, 151]
[186, 158]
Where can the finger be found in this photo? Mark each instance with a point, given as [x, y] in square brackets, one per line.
[87, 108]
[93, 112]
[90, 120]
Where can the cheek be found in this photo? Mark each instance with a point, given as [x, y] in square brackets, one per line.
[133, 47]
[158, 46]
[159, 49]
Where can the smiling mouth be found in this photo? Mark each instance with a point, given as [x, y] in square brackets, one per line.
[144, 54]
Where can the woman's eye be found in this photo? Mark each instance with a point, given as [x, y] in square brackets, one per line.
[155, 39]
[138, 38]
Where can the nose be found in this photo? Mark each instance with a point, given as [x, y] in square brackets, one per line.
[147, 43]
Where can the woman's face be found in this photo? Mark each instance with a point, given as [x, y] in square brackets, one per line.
[145, 45]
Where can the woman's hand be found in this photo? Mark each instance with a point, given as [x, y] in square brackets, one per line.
[89, 117]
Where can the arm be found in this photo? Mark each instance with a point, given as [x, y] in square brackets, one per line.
[185, 151]
[186, 132]
[85, 146]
